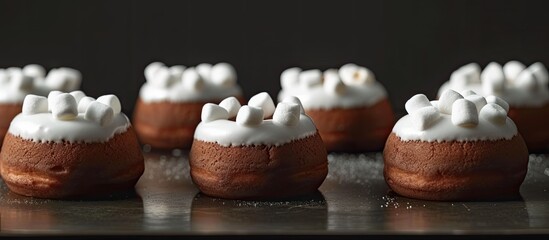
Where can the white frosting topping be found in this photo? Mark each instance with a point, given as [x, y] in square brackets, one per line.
[349, 87]
[520, 86]
[16, 83]
[250, 128]
[466, 122]
[181, 84]
[97, 123]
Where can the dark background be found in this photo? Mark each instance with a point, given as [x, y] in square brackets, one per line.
[412, 46]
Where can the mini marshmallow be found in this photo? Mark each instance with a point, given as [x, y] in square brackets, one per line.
[150, 70]
[512, 69]
[63, 106]
[416, 102]
[51, 95]
[434, 103]
[99, 113]
[493, 79]
[494, 113]
[78, 95]
[232, 105]
[497, 100]
[332, 82]
[468, 93]
[223, 74]
[34, 71]
[471, 72]
[352, 74]
[293, 99]
[204, 70]
[310, 78]
[161, 78]
[287, 114]
[446, 101]
[73, 77]
[540, 72]
[176, 72]
[263, 101]
[212, 112]
[290, 77]
[478, 100]
[191, 80]
[4, 78]
[34, 104]
[424, 117]
[83, 104]
[464, 113]
[527, 81]
[249, 116]
[60, 79]
[111, 101]
[20, 81]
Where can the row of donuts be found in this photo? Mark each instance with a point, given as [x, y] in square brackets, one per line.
[238, 151]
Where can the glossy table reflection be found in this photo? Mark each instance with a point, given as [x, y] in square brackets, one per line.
[353, 200]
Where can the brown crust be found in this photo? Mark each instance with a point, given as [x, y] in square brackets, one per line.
[354, 129]
[7, 113]
[532, 125]
[71, 170]
[259, 172]
[167, 125]
[452, 171]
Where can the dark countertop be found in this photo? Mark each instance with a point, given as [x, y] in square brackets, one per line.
[353, 200]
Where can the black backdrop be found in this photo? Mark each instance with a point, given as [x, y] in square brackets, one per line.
[412, 46]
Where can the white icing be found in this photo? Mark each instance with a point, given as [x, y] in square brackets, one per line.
[512, 92]
[352, 94]
[187, 89]
[443, 128]
[266, 132]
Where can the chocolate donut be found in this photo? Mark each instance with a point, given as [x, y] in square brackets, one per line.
[72, 150]
[349, 107]
[525, 89]
[459, 148]
[254, 157]
[170, 102]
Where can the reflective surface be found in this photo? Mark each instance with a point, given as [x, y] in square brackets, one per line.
[353, 200]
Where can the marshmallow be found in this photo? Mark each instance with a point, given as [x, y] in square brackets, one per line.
[20, 81]
[446, 101]
[73, 77]
[212, 112]
[310, 78]
[493, 80]
[151, 69]
[468, 93]
[223, 74]
[352, 74]
[478, 100]
[4, 78]
[63, 106]
[60, 79]
[51, 95]
[527, 81]
[232, 105]
[161, 78]
[34, 71]
[287, 114]
[191, 80]
[83, 104]
[263, 101]
[434, 103]
[249, 116]
[416, 102]
[99, 113]
[471, 72]
[204, 70]
[464, 113]
[111, 101]
[332, 82]
[34, 104]
[497, 100]
[293, 99]
[540, 72]
[290, 77]
[512, 69]
[494, 113]
[176, 72]
[78, 95]
[424, 117]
